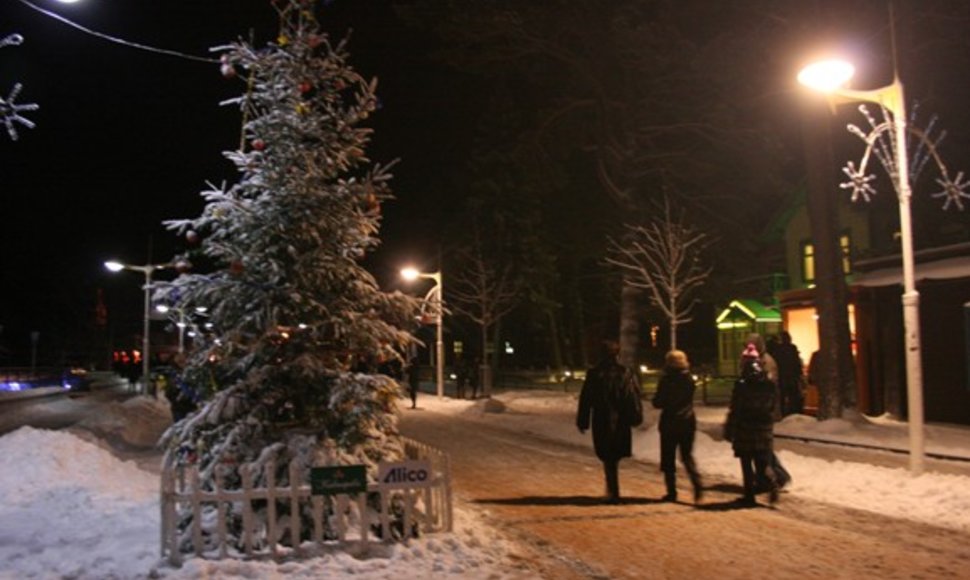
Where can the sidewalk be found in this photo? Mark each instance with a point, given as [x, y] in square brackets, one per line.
[942, 441]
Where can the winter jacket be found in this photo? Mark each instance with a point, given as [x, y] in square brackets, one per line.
[750, 420]
[675, 399]
[610, 399]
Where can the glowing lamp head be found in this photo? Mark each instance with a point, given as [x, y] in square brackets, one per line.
[114, 266]
[826, 76]
[163, 308]
[410, 274]
[68, 1]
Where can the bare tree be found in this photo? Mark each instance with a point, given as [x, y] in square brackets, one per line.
[664, 258]
[484, 290]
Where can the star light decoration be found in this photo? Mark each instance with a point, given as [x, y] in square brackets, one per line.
[881, 142]
[9, 110]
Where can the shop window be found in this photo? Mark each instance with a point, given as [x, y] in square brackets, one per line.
[808, 263]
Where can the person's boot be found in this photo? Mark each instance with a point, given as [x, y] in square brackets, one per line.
[695, 480]
[670, 479]
[612, 483]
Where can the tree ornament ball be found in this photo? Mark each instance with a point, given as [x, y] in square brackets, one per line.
[183, 266]
[228, 71]
[192, 237]
[259, 144]
[236, 267]
[314, 41]
[305, 87]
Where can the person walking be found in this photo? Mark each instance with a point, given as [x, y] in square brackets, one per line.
[770, 368]
[675, 399]
[414, 380]
[790, 375]
[750, 427]
[610, 402]
[461, 376]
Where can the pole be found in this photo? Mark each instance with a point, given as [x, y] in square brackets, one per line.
[145, 360]
[914, 370]
[440, 342]
[181, 326]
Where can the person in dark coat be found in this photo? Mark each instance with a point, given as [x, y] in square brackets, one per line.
[610, 401]
[750, 427]
[790, 375]
[414, 380]
[770, 367]
[675, 399]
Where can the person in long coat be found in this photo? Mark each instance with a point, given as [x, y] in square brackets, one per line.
[770, 367]
[790, 375]
[610, 401]
[750, 427]
[675, 399]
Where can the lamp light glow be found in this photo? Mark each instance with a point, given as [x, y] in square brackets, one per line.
[826, 75]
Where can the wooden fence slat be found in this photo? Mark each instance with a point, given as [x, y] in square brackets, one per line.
[247, 509]
[196, 510]
[221, 531]
[362, 515]
[294, 489]
[318, 505]
[270, 468]
[385, 505]
[408, 513]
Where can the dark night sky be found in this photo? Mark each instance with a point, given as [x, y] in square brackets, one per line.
[127, 138]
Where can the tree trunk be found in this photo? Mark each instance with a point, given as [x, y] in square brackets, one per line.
[485, 370]
[557, 359]
[673, 325]
[629, 325]
[836, 376]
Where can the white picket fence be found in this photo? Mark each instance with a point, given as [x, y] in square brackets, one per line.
[426, 509]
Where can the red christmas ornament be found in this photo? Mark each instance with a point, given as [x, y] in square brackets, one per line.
[192, 237]
[183, 266]
[314, 41]
[236, 267]
[259, 144]
[226, 67]
[305, 87]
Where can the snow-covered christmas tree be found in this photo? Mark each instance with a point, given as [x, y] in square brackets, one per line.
[298, 325]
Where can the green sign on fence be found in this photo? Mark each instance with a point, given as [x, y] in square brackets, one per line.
[338, 479]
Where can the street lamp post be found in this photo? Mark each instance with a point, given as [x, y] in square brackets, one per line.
[828, 77]
[436, 291]
[147, 270]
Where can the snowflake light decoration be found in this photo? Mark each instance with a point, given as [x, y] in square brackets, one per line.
[954, 191]
[9, 110]
[859, 182]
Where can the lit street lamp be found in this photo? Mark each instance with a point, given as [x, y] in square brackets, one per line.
[435, 296]
[828, 77]
[147, 270]
[182, 321]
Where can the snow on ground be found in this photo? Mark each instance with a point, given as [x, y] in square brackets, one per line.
[73, 509]
[934, 498]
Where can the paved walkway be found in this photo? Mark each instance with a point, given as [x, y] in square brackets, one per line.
[547, 495]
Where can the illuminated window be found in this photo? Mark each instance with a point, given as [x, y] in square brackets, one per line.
[808, 262]
[845, 243]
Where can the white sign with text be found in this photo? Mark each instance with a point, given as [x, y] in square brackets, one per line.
[404, 474]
